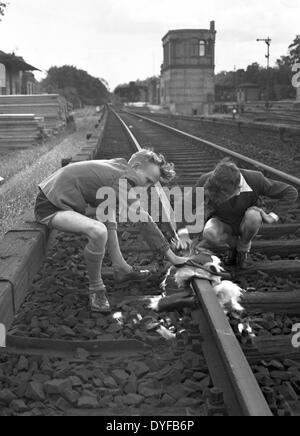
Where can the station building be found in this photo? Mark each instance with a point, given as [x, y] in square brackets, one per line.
[188, 71]
[247, 92]
[16, 75]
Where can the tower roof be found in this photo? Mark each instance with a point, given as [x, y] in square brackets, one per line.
[212, 29]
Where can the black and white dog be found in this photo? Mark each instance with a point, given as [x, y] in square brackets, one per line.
[204, 265]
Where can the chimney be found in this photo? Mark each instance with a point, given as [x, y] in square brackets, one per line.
[212, 26]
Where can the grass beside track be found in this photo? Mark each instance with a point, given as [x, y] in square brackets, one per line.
[14, 161]
[17, 195]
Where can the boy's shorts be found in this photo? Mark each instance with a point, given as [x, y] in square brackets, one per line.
[44, 210]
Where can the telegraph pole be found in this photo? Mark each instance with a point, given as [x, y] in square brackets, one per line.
[267, 41]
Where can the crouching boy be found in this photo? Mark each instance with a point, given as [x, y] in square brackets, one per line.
[231, 213]
[64, 197]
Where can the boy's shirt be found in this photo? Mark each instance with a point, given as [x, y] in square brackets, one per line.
[255, 184]
[75, 186]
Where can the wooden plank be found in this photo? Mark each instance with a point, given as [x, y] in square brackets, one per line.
[16, 145]
[272, 348]
[80, 158]
[61, 346]
[280, 229]
[279, 268]
[278, 247]
[52, 108]
[277, 302]
[22, 252]
[7, 310]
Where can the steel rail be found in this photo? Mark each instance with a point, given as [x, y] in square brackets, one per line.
[228, 366]
[167, 208]
[295, 181]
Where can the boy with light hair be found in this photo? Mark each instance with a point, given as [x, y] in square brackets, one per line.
[64, 197]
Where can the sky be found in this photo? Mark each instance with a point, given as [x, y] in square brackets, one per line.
[120, 40]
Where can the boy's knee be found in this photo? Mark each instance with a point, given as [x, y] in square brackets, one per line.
[253, 219]
[211, 235]
[98, 232]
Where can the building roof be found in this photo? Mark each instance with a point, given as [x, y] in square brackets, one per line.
[195, 32]
[17, 62]
[211, 29]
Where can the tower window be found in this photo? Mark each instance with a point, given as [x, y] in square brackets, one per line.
[202, 46]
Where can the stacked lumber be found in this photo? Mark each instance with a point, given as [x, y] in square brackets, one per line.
[20, 131]
[52, 107]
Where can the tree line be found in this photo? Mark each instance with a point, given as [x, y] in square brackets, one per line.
[275, 82]
[77, 86]
[134, 91]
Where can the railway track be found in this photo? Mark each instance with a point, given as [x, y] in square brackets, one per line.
[275, 262]
[276, 145]
[63, 360]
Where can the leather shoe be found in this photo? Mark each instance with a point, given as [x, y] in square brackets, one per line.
[99, 302]
[137, 275]
[231, 258]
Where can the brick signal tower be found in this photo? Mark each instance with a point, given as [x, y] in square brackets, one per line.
[188, 71]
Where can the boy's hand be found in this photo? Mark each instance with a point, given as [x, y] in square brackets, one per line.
[184, 241]
[267, 218]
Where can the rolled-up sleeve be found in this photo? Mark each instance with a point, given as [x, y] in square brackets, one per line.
[286, 195]
[191, 203]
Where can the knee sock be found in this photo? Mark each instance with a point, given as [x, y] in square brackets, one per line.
[245, 241]
[94, 267]
[244, 247]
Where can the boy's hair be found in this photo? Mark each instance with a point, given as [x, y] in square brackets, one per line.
[223, 182]
[147, 156]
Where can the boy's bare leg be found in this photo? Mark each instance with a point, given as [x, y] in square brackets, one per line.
[250, 227]
[118, 261]
[94, 252]
[120, 265]
[123, 273]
